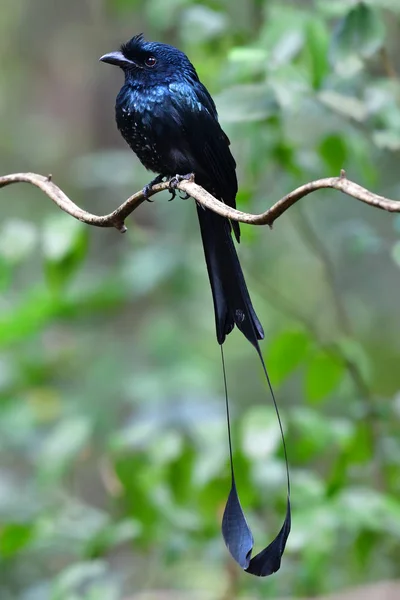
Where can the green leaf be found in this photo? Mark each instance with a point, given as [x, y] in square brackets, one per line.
[365, 508]
[333, 150]
[287, 48]
[361, 33]
[200, 23]
[387, 139]
[243, 103]
[111, 536]
[64, 443]
[76, 576]
[285, 353]
[361, 448]
[36, 309]
[354, 352]
[248, 56]
[316, 433]
[317, 45]
[64, 247]
[14, 537]
[323, 375]
[160, 17]
[6, 272]
[347, 106]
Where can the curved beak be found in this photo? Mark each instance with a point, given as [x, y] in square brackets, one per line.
[116, 58]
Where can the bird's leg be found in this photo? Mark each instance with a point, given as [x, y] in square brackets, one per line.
[147, 188]
[174, 183]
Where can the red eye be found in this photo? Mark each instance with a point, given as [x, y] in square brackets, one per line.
[150, 61]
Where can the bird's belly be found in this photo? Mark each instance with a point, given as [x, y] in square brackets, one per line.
[141, 142]
[149, 144]
[153, 144]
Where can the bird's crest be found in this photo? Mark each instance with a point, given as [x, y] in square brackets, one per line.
[134, 44]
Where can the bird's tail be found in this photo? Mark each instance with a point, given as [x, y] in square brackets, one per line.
[232, 304]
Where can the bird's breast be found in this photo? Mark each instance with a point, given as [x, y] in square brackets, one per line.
[136, 116]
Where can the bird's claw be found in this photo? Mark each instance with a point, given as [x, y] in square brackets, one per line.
[149, 187]
[173, 182]
[146, 192]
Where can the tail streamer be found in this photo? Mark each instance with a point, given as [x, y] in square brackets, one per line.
[235, 529]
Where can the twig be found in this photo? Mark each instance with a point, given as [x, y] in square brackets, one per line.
[117, 217]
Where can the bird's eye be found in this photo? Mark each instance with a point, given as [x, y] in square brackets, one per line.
[150, 61]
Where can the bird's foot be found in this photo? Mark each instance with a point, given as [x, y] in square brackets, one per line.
[148, 188]
[173, 184]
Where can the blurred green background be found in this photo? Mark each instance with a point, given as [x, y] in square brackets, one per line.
[114, 461]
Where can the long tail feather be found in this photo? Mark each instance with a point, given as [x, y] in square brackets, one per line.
[232, 304]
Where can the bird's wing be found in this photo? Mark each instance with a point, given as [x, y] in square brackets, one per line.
[195, 112]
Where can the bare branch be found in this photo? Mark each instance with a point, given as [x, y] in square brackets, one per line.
[117, 217]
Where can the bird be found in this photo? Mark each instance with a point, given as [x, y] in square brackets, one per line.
[170, 121]
[168, 118]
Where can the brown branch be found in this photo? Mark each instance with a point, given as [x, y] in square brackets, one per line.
[118, 216]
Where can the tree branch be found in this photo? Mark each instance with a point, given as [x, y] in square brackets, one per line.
[117, 217]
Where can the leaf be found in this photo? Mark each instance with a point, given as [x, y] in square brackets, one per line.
[200, 23]
[361, 33]
[77, 576]
[243, 103]
[354, 352]
[111, 536]
[348, 106]
[64, 247]
[285, 353]
[287, 48]
[364, 508]
[387, 139]
[243, 54]
[317, 45]
[14, 537]
[6, 272]
[323, 375]
[160, 18]
[317, 433]
[333, 150]
[34, 312]
[361, 448]
[64, 443]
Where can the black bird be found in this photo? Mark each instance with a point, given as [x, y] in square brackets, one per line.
[170, 121]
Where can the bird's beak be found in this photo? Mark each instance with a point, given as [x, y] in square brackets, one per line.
[116, 58]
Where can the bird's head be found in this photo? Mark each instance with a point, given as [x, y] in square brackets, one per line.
[149, 62]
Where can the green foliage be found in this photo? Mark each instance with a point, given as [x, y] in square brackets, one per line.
[323, 374]
[360, 33]
[114, 457]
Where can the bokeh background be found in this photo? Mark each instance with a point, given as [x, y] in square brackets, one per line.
[114, 461]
